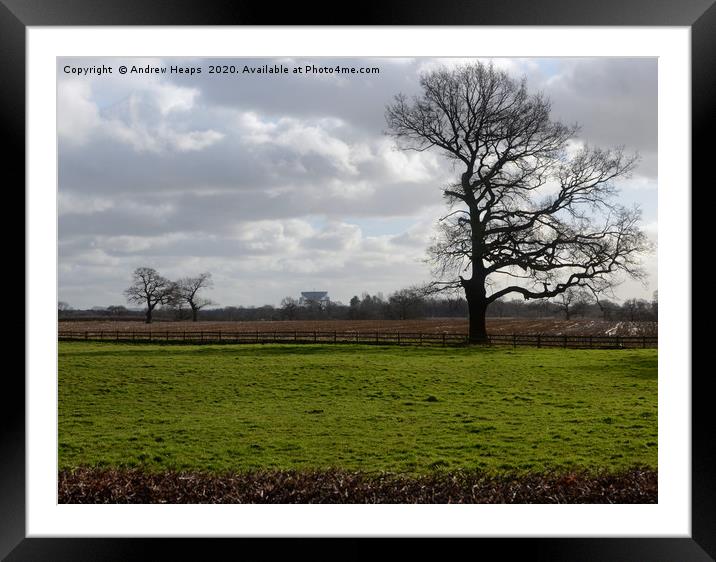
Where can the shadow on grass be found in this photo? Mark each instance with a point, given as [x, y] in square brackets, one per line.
[150, 349]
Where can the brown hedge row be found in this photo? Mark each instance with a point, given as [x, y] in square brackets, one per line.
[95, 485]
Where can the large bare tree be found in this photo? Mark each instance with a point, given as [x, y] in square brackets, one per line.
[150, 289]
[530, 206]
[187, 289]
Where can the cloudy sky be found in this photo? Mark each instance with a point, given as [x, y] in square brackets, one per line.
[278, 184]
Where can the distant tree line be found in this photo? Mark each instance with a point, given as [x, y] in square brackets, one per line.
[181, 300]
[568, 307]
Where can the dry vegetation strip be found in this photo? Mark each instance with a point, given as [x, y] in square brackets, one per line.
[86, 485]
[495, 326]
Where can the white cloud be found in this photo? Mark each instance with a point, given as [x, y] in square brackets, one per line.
[68, 202]
[133, 121]
[77, 115]
[338, 237]
[193, 140]
[96, 257]
[514, 66]
[172, 98]
[408, 166]
[302, 137]
[639, 182]
[339, 189]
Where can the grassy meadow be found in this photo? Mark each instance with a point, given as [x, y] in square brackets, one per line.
[409, 410]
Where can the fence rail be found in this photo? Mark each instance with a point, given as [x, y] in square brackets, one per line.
[381, 338]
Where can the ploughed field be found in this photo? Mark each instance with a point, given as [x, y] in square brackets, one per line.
[495, 326]
[354, 423]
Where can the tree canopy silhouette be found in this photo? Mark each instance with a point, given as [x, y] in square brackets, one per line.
[532, 212]
[148, 288]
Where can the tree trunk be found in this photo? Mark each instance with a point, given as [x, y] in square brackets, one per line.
[148, 319]
[193, 313]
[477, 310]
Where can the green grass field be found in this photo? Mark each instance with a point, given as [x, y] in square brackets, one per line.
[399, 409]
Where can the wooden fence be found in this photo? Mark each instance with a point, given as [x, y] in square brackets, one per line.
[380, 338]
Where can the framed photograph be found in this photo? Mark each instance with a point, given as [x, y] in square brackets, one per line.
[266, 259]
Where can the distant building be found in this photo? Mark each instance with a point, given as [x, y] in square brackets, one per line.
[319, 298]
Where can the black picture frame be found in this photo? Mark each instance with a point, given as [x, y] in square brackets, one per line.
[16, 15]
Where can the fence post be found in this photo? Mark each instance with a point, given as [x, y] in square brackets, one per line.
[590, 342]
[565, 341]
[618, 344]
[421, 338]
[201, 336]
[150, 336]
[398, 338]
[335, 336]
[539, 340]
[257, 336]
[643, 342]
[514, 341]
[86, 335]
[167, 335]
[443, 339]
[295, 335]
[314, 336]
[117, 335]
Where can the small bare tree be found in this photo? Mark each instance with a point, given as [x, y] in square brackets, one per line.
[116, 310]
[564, 301]
[406, 303]
[176, 303]
[148, 288]
[186, 291]
[527, 207]
[637, 309]
[573, 301]
[290, 308]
